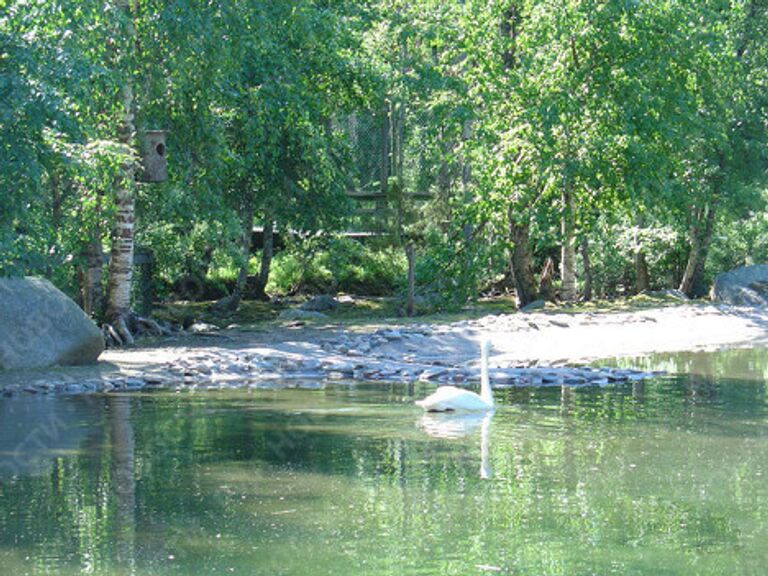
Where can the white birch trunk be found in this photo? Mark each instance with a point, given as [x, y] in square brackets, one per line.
[121, 261]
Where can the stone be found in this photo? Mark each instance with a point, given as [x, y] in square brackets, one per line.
[744, 286]
[535, 305]
[392, 335]
[202, 328]
[134, 383]
[364, 347]
[670, 294]
[432, 374]
[41, 327]
[311, 364]
[321, 303]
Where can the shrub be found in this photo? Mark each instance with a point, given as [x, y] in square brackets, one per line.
[337, 264]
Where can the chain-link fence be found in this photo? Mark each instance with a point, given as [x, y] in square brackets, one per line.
[403, 159]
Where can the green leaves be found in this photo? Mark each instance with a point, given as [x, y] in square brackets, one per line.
[650, 108]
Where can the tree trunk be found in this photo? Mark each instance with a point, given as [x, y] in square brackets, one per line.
[568, 291]
[268, 250]
[700, 236]
[398, 141]
[92, 269]
[385, 150]
[694, 251]
[90, 283]
[546, 281]
[56, 219]
[522, 262]
[246, 222]
[519, 231]
[444, 175]
[466, 174]
[642, 277]
[466, 165]
[410, 302]
[509, 27]
[121, 261]
[587, 264]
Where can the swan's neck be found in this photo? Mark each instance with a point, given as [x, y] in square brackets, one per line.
[485, 384]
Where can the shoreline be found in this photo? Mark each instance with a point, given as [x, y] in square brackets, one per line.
[528, 349]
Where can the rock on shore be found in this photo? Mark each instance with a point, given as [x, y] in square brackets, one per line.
[744, 286]
[533, 349]
[359, 357]
[41, 327]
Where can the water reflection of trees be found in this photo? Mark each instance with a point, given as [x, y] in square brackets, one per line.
[582, 479]
[743, 364]
[79, 506]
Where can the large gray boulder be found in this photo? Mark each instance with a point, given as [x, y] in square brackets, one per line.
[745, 286]
[40, 327]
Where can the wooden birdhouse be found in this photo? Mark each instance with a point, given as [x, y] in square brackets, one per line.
[153, 156]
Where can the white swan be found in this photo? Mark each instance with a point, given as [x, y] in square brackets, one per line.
[453, 399]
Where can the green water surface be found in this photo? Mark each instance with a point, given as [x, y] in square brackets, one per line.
[665, 477]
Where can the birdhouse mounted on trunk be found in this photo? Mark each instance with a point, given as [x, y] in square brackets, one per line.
[153, 156]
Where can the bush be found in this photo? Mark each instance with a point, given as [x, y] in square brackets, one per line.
[337, 265]
[739, 244]
[612, 248]
[450, 274]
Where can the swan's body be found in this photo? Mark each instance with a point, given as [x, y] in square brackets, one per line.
[453, 399]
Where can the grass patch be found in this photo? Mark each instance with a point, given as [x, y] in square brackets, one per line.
[250, 313]
[382, 310]
[629, 304]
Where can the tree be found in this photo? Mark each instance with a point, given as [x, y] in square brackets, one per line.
[121, 261]
[283, 87]
[728, 147]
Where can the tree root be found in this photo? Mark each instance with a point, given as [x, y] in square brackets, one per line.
[151, 327]
[124, 330]
[111, 338]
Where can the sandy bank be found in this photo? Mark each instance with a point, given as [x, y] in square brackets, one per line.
[412, 351]
[537, 338]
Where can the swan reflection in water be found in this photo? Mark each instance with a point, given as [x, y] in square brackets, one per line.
[451, 426]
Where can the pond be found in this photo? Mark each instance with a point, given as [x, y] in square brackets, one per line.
[669, 476]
